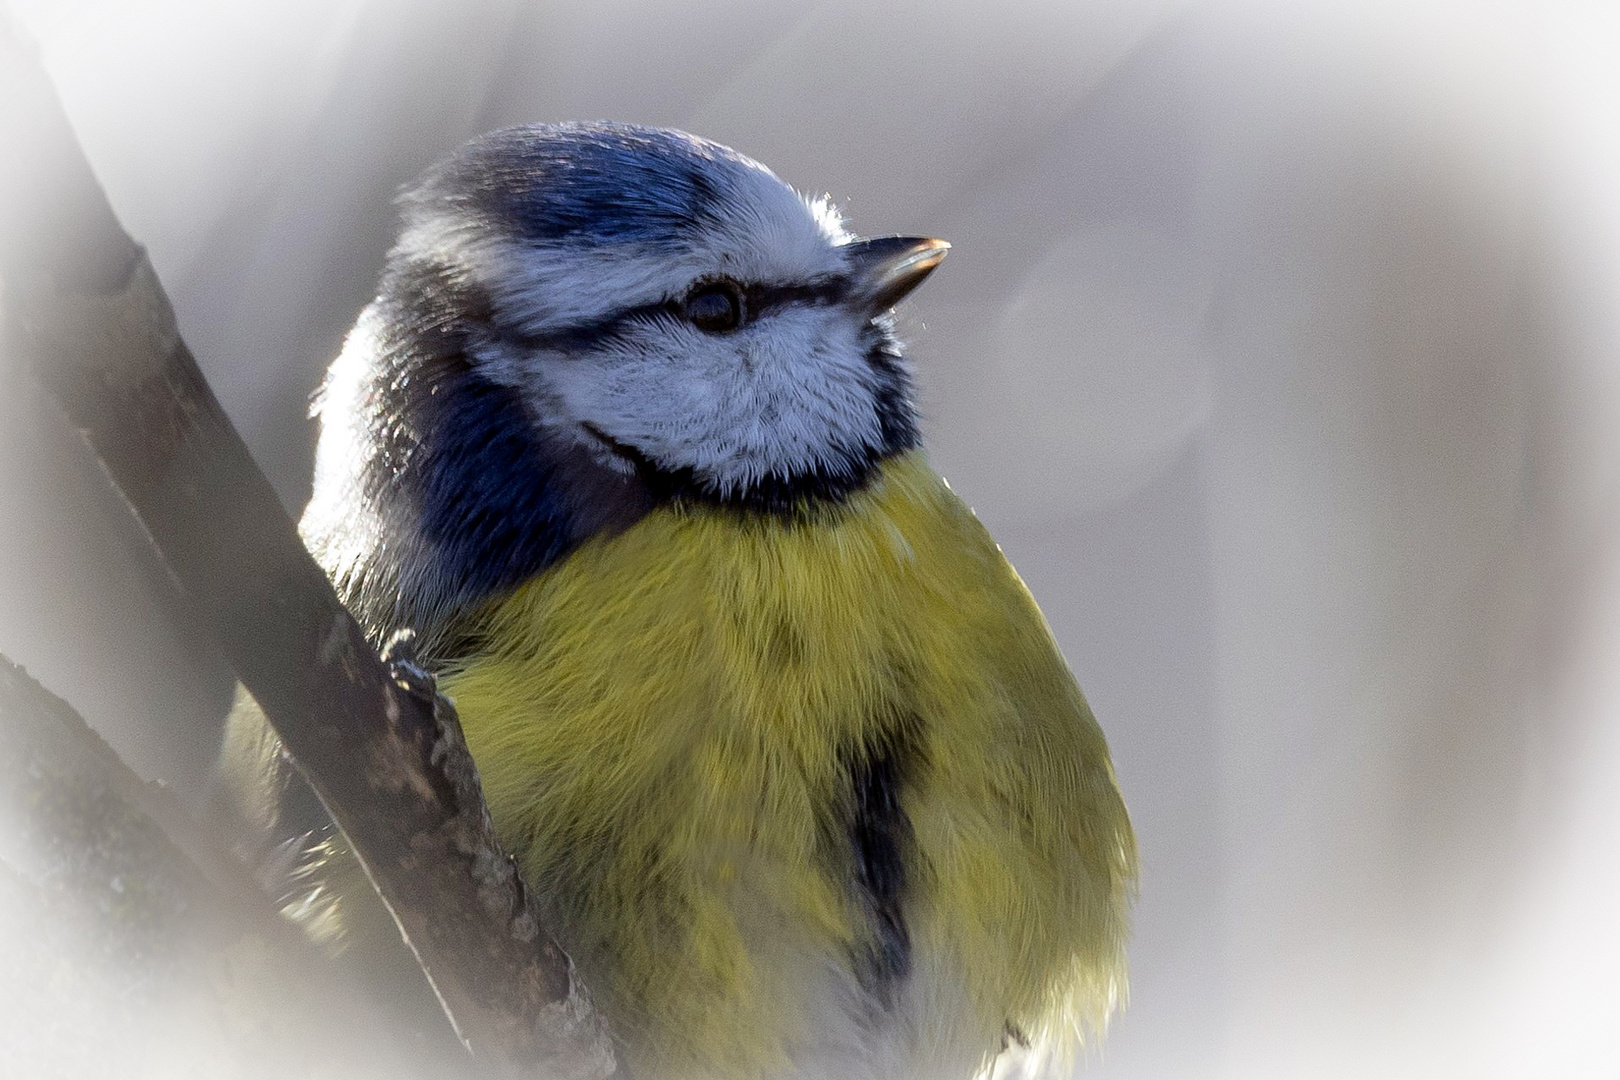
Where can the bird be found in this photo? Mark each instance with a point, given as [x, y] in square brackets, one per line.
[775, 732]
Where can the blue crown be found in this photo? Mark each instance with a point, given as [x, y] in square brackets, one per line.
[586, 183]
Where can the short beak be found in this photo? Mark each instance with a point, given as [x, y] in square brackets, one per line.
[889, 267]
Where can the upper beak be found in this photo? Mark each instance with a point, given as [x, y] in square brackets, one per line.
[889, 267]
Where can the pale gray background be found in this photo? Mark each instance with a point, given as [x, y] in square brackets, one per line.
[1278, 347]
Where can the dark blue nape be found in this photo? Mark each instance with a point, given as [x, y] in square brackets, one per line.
[592, 183]
[487, 497]
[461, 450]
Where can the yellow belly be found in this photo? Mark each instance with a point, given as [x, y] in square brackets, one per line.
[663, 721]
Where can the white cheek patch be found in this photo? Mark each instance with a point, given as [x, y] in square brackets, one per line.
[791, 395]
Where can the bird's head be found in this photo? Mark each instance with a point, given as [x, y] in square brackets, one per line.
[582, 320]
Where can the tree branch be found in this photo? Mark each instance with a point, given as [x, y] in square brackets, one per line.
[383, 752]
[127, 911]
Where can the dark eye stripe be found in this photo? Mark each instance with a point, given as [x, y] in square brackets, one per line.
[762, 298]
[759, 300]
[579, 336]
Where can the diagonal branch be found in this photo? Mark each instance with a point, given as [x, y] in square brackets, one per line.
[122, 906]
[84, 307]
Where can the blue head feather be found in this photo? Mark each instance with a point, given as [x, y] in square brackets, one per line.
[586, 183]
[463, 492]
[468, 494]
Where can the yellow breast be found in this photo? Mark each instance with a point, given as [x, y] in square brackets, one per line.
[664, 720]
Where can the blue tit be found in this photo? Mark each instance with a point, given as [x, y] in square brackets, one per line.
[767, 719]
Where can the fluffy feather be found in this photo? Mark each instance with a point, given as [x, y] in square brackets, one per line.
[665, 723]
[771, 724]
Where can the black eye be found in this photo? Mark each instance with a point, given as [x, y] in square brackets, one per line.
[715, 307]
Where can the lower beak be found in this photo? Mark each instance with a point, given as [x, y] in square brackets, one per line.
[889, 267]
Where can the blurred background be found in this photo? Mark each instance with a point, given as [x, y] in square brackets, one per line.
[1279, 347]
